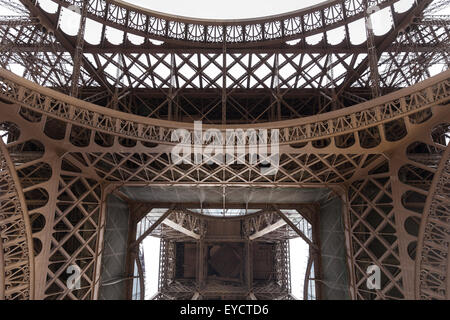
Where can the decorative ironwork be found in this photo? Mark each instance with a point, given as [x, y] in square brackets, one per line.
[387, 157]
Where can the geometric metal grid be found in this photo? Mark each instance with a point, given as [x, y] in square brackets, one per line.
[273, 227]
[226, 84]
[78, 194]
[386, 157]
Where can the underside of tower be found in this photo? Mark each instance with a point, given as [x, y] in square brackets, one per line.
[302, 155]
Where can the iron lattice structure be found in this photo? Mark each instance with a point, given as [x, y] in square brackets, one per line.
[257, 228]
[83, 119]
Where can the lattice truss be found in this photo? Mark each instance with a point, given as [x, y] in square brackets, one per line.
[164, 228]
[179, 80]
[388, 157]
[16, 246]
[432, 274]
[386, 214]
[62, 168]
[268, 226]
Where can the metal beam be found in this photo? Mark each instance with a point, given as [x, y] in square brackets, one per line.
[45, 21]
[294, 227]
[195, 296]
[268, 229]
[384, 44]
[153, 227]
[180, 228]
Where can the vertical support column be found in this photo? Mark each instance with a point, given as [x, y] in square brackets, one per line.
[249, 264]
[100, 246]
[332, 83]
[42, 262]
[78, 54]
[224, 84]
[348, 245]
[316, 254]
[200, 263]
[372, 53]
[277, 86]
[401, 215]
[171, 86]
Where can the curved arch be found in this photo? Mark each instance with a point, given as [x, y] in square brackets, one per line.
[234, 32]
[432, 259]
[17, 247]
[368, 114]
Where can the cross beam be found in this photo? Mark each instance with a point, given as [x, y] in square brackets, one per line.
[268, 229]
[180, 228]
[152, 227]
[294, 227]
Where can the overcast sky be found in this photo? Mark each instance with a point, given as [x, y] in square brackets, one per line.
[229, 9]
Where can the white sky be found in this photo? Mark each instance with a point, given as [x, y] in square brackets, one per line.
[207, 9]
[299, 252]
[151, 259]
[4, 135]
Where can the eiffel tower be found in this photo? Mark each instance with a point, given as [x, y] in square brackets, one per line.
[89, 121]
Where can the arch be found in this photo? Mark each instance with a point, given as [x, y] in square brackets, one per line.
[15, 224]
[432, 269]
[364, 118]
[153, 25]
